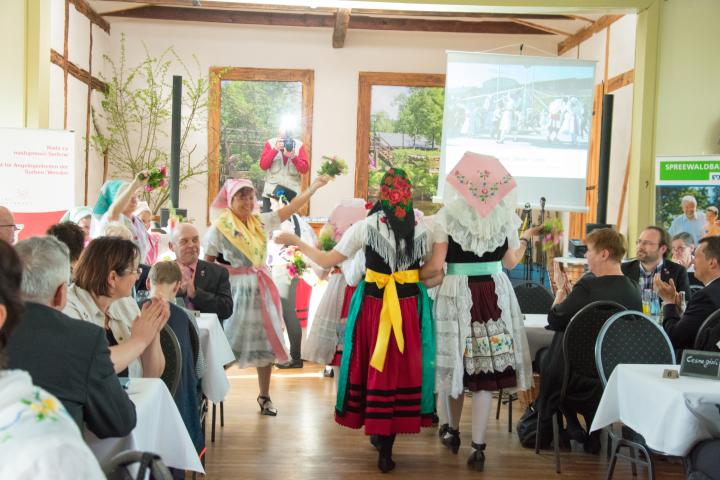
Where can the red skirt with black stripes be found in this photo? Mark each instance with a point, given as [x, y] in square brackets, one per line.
[386, 402]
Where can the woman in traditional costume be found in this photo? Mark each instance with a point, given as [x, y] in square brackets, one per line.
[481, 341]
[237, 240]
[386, 380]
[326, 336]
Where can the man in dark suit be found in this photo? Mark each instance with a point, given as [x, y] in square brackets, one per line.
[67, 357]
[653, 246]
[205, 286]
[682, 327]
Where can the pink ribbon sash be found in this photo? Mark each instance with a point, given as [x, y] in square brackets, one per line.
[266, 286]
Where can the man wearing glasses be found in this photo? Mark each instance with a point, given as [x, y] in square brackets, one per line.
[653, 250]
[8, 227]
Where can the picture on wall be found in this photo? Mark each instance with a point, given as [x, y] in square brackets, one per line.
[250, 109]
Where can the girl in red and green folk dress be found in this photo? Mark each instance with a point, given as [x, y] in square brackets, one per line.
[387, 373]
[481, 340]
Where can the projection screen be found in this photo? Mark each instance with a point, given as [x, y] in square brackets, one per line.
[532, 113]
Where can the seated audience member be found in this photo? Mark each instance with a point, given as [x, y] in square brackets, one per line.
[72, 236]
[82, 217]
[653, 248]
[683, 249]
[104, 278]
[118, 230]
[39, 439]
[165, 279]
[712, 228]
[205, 286]
[605, 281]
[682, 327]
[8, 227]
[69, 359]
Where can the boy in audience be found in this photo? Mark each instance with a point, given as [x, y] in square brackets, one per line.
[164, 281]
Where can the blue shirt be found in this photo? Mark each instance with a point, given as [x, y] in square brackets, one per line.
[694, 227]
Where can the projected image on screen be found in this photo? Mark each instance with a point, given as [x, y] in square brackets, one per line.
[532, 113]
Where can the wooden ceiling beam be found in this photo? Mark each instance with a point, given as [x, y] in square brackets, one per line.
[83, 7]
[342, 20]
[587, 32]
[544, 28]
[328, 21]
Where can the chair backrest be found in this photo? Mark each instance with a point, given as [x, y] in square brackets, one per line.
[173, 360]
[579, 339]
[694, 289]
[533, 298]
[701, 338]
[631, 337]
[119, 466]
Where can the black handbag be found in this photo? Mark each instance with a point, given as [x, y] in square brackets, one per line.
[526, 428]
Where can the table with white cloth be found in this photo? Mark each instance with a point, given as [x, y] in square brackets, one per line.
[671, 414]
[159, 429]
[217, 352]
[538, 337]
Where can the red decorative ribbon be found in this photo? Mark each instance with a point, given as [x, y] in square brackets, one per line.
[265, 285]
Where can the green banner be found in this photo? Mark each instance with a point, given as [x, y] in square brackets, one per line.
[692, 170]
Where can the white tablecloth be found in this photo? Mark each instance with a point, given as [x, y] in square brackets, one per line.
[217, 352]
[538, 337]
[159, 429]
[671, 414]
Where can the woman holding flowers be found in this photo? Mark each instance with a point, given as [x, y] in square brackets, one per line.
[237, 240]
[386, 371]
[481, 341]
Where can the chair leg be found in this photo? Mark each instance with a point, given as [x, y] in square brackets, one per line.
[556, 441]
[537, 434]
[222, 414]
[633, 465]
[613, 461]
[650, 464]
[212, 424]
[510, 400]
[497, 412]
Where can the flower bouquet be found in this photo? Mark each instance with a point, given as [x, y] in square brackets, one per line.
[551, 233]
[296, 264]
[333, 166]
[156, 178]
[327, 238]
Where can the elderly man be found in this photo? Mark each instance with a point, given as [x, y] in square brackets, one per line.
[205, 286]
[66, 357]
[682, 327]
[7, 225]
[653, 246]
[691, 221]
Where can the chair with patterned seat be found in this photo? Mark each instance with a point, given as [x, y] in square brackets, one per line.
[703, 340]
[533, 298]
[631, 337]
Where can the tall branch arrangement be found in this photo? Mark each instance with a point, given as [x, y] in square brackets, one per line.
[136, 114]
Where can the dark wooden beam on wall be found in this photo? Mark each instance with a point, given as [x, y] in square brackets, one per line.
[619, 81]
[342, 19]
[311, 20]
[544, 28]
[84, 7]
[587, 32]
[77, 72]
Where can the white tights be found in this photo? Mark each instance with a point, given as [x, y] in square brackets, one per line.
[481, 406]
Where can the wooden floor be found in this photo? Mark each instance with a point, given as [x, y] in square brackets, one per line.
[303, 442]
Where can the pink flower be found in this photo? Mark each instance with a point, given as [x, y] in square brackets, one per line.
[162, 183]
[148, 188]
[163, 170]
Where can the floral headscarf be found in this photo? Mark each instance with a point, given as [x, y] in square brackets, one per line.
[397, 205]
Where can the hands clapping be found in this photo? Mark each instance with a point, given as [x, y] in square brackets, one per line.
[153, 317]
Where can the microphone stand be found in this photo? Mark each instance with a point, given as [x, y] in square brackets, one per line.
[543, 255]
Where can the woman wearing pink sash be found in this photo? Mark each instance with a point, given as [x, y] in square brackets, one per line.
[237, 240]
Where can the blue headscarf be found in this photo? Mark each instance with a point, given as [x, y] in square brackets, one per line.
[108, 192]
[76, 214]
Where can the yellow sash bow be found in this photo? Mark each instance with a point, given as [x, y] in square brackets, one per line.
[249, 239]
[390, 315]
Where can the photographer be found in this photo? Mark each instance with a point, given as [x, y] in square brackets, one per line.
[285, 160]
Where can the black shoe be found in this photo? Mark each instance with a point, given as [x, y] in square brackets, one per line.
[443, 430]
[328, 372]
[477, 459]
[452, 440]
[290, 364]
[266, 406]
[385, 464]
[435, 419]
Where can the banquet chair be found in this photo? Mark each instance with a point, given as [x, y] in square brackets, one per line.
[702, 340]
[631, 337]
[579, 358]
[120, 467]
[171, 351]
[533, 298]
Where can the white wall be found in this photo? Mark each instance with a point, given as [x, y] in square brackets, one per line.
[621, 58]
[336, 74]
[79, 54]
[12, 75]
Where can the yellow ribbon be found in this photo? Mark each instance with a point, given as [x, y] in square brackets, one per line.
[390, 315]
